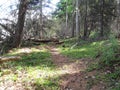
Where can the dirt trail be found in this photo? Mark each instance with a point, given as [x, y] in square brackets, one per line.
[75, 76]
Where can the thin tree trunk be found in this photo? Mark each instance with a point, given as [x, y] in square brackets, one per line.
[101, 18]
[41, 20]
[73, 21]
[66, 16]
[85, 22]
[118, 17]
[77, 22]
[73, 27]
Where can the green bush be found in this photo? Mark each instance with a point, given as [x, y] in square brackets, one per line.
[108, 56]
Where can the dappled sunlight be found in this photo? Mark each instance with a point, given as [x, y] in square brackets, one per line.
[41, 68]
[34, 68]
[26, 50]
[94, 43]
[59, 44]
[55, 52]
[73, 81]
[44, 66]
[79, 53]
[55, 49]
[70, 68]
[74, 66]
[100, 43]
[84, 51]
[43, 76]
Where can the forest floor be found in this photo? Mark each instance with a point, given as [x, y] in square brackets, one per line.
[52, 67]
[75, 75]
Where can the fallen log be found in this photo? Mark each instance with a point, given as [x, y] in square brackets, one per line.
[60, 42]
[43, 40]
[11, 58]
[39, 40]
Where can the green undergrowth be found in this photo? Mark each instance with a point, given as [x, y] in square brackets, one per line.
[84, 50]
[35, 68]
[108, 63]
[105, 55]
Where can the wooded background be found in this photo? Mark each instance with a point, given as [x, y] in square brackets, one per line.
[83, 19]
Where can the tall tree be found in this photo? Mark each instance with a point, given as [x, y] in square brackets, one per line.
[85, 20]
[101, 17]
[77, 21]
[20, 23]
[66, 15]
[41, 19]
[118, 16]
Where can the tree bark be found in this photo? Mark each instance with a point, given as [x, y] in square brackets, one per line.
[73, 21]
[41, 20]
[73, 27]
[66, 16]
[118, 16]
[77, 21]
[101, 18]
[20, 23]
[85, 22]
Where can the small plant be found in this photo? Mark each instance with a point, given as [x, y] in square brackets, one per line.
[92, 67]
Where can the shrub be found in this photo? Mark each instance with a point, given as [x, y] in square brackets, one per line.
[109, 52]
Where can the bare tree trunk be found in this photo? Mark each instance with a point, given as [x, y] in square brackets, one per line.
[85, 22]
[73, 27]
[77, 21]
[41, 20]
[20, 23]
[66, 16]
[101, 18]
[73, 21]
[118, 18]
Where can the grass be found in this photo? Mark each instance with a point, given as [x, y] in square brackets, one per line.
[35, 68]
[106, 50]
[87, 50]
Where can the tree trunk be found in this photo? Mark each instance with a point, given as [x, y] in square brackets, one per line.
[73, 27]
[118, 16]
[66, 16]
[20, 23]
[41, 20]
[77, 21]
[101, 18]
[73, 21]
[85, 22]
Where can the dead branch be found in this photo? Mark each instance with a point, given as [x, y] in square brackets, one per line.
[6, 28]
[9, 21]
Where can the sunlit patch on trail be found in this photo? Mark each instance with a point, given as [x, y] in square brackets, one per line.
[26, 50]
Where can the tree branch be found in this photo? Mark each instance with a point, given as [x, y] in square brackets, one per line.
[6, 28]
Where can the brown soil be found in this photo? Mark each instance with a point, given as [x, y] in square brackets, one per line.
[75, 76]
